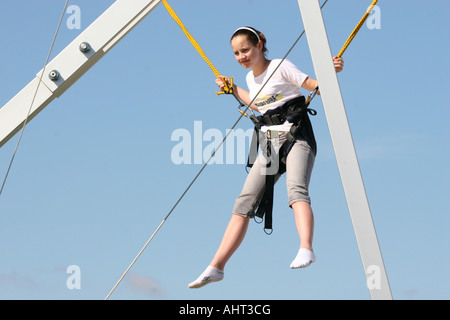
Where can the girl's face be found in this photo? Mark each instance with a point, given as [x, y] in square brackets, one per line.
[245, 52]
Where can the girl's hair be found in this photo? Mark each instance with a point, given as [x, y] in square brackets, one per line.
[251, 36]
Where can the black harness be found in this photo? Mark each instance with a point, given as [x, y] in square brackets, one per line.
[296, 112]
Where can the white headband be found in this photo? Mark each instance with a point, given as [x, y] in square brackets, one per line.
[249, 29]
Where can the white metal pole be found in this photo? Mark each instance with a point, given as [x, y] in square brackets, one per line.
[333, 104]
[73, 62]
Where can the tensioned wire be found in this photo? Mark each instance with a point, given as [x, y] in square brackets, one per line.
[34, 97]
[206, 163]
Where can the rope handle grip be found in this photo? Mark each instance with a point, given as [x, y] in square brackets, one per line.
[228, 88]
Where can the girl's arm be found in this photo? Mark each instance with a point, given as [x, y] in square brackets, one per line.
[310, 84]
[240, 93]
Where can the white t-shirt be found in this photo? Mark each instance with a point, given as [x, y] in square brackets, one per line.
[282, 87]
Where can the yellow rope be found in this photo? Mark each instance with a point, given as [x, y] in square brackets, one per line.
[228, 86]
[189, 36]
[357, 28]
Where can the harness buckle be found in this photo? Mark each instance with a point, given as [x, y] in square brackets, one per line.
[272, 134]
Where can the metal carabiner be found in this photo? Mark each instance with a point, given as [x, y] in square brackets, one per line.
[311, 95]
[242, 105]
[242, 112]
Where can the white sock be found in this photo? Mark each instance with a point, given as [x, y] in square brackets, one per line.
[211, 274]
[303, 259]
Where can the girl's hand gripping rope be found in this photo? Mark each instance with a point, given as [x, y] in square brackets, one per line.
[225, 84]
[227, 87]
[338, 63]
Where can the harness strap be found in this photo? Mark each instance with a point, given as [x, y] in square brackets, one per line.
[266, 205]
[295, 111]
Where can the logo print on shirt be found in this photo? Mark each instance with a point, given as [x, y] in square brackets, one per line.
[264, 101]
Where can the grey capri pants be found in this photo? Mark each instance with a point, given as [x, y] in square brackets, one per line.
[299, 165]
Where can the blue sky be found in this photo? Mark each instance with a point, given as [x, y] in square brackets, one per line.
[93, 176]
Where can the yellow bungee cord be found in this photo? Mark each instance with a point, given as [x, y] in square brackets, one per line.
[228, 86]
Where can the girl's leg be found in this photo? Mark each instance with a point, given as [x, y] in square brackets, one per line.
[304, 220]
[243, 209]
[234, 234]
[299, 165]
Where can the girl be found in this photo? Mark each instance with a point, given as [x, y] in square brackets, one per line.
[249, 47]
